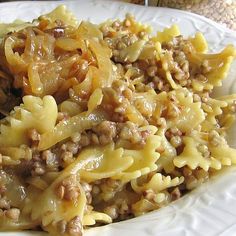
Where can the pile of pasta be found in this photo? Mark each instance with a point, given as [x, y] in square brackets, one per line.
[105, 122]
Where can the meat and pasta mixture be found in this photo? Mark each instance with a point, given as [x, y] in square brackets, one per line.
[102, 123]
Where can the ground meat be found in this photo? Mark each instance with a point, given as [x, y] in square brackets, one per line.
[67, 157]
[13, 214]
[62, 116]
[70, 146]
[33, 135]
[106, 188]
[38, 169]
[130, 132]
[4, 203]
[120, 210]
[71, 228]
[177, 52]
[112, 211]
[87, 189]
[43, 162]
[204, 150]
[149, 194]
[74, 227]
[49, 157]
[3, 189]
[84, 140]
[68, 189]
[102, 134]
[194, 178]
[174, 135]
[175, 194]
[105, 131]
[61, 227]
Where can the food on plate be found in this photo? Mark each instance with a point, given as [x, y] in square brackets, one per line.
[102, 123]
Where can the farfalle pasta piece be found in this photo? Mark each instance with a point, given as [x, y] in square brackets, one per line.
[199, 43]
[144, 160]
[193, 158]
[212, 109]
[167, 34]
[167, 155]
[225, 154]
[219, 66]
[37, 113]
[149, 52]
[157, 183]
[227, 117]
[191, 113]
[134, 115]
[103, 162]
[92, 217]
[60, 13]
[137, 27]
[89, 160]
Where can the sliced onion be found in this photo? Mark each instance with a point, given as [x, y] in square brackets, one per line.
[102, 54]
[67, 128]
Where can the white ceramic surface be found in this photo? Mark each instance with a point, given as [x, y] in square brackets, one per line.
[209, 210]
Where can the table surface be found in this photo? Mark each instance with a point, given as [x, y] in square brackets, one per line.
[221, 11]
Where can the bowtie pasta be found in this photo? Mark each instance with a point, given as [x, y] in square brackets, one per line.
[101, 123]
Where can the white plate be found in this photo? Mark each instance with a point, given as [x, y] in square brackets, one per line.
[211, 209]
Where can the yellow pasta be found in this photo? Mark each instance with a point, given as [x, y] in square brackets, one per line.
[94, 217]
[37, 113]
[168, 34]
[199, 43]
[98, 163]
[157, 183]
[193, 158]
[144, 161]
[219, 66]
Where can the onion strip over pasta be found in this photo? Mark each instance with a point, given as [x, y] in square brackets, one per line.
[101, 123]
